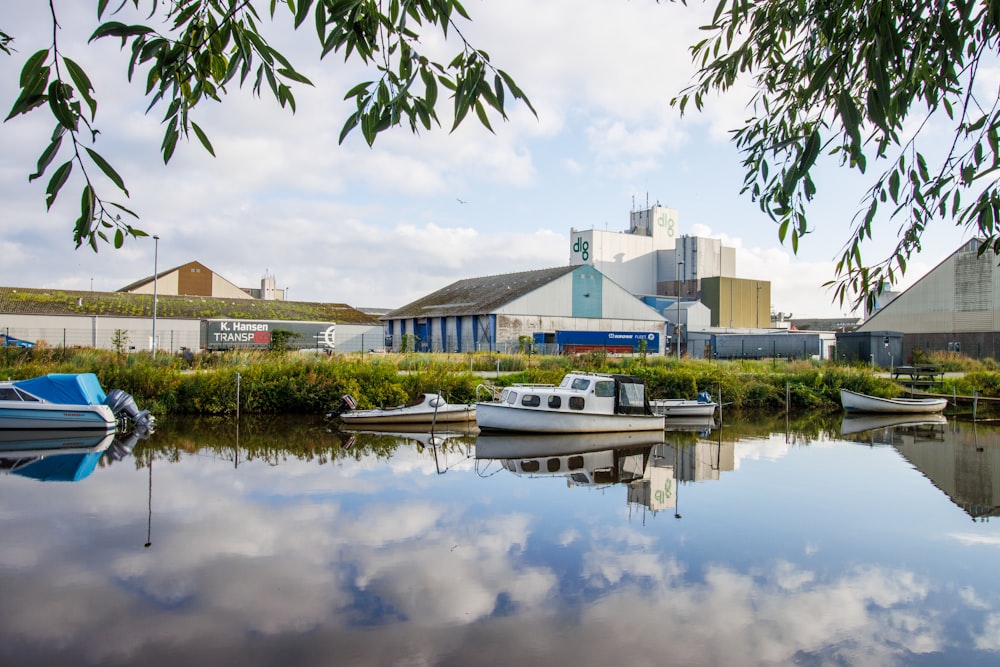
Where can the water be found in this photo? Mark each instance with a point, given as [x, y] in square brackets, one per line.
[282, 543]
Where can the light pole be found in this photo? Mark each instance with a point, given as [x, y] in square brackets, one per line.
[677, 326]
[156, 257]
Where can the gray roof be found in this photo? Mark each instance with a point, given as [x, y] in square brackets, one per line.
[479, 296]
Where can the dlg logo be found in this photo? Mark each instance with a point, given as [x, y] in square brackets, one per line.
[668, 222]
[582, 247]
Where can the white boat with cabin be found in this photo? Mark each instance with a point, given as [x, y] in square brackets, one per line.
[581, 403]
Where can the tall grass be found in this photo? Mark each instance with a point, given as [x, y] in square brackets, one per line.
[297, 383]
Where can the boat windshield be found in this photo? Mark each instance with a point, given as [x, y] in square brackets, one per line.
[15, 394]
[580, 384]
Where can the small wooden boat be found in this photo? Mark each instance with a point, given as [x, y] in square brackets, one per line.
[426, 409]
[855, 402]
[581, 403]
[704, 406]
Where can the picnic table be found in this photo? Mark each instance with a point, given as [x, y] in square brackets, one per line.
[918, 374]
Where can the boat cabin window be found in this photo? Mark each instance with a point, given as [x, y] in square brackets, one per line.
[530, 465]
[15, 394]
[580, 384]
[553, 465]
[575, 463]
[576, 402]
[511, 397]
[555, 402]
[605, 388]
[531, 400]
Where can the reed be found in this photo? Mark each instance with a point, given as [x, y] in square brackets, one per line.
[299, 383]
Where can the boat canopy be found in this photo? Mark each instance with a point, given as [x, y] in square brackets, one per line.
[66, 388]
[631, 398]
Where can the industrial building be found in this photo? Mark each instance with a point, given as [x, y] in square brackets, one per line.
[196, 279]
[737, 302]
[955, 308]
[567, 307]
[653, 258]
[726, 343]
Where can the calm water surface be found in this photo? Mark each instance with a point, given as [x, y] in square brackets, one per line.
[282, 543]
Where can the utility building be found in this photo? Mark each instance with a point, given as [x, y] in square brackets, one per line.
[514, 311]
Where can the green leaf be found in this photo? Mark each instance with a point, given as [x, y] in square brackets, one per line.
[56, 182]
[203, 138]
[108, 170]
[45, 159]
[82, 83]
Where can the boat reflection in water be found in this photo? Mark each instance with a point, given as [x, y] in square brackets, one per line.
[650, 464]
[447, 443]
[60, 456]
[959, 459]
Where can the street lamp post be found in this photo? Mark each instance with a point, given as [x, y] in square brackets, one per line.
[156, 257]
[677, 326]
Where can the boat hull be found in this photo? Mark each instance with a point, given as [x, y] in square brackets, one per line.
[503, 417]
[379, 417]
[429, 409]
[682, 408]
[21, 415]
[855, 402]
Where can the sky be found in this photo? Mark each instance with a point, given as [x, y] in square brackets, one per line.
[378, 227]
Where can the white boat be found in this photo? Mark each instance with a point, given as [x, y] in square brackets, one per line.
[855, 402]
[703, 406]
[61, 401]
[426, 409]
[581, 403]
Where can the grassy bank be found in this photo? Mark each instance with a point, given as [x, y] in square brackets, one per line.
[295, 383]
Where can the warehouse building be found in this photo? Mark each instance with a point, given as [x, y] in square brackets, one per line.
[954, 308]
[517, 311]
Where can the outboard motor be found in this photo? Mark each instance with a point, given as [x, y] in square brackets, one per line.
[347, 403]
[124, 407]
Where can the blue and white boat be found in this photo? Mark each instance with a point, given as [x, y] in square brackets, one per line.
[62, 401]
